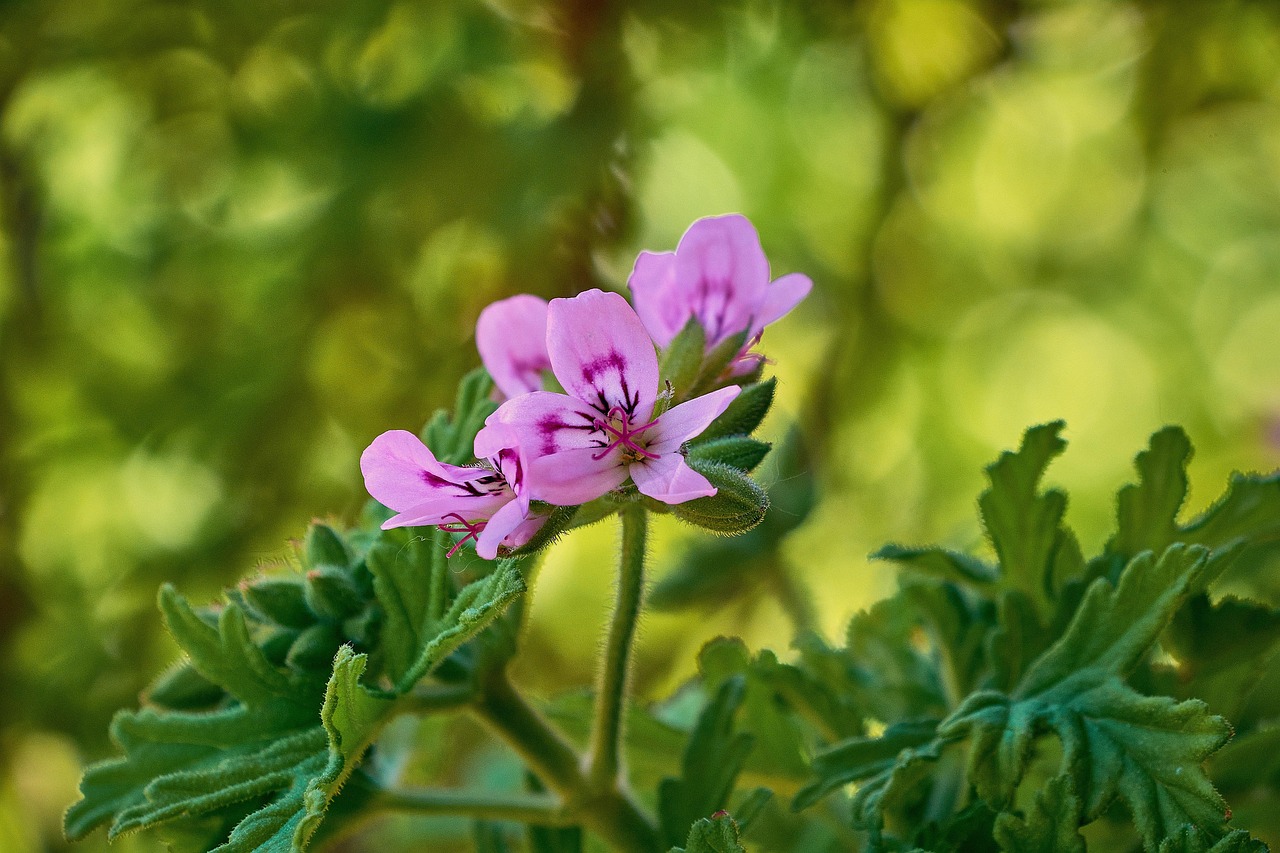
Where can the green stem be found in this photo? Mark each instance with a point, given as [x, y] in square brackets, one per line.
[537, 809]
[795, 597]
[611, 692]
[432, 698]
[612, 815]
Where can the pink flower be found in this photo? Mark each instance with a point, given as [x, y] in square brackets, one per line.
[511, 336]
[589, 441]
[489, 504]
[719, 275]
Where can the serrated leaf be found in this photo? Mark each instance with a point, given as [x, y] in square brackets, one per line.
[322, 546]
[1148, 510]
[1147, 750]
[1025, 525]
[281, 600]
[287, 746]
[743, 414]
[452, 437]
[712, 835]
[1052, 826]
[712, 759]
[1190, 839]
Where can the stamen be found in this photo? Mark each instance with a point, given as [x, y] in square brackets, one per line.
[622, 436]
[471, 528]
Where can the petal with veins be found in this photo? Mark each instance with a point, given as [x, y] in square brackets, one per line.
[670, 479]
[683, 422]
[722, 271]
[576, 476]
[400, 471]
[441, 510]
[511, 336]
[602, 354]
[543, 423]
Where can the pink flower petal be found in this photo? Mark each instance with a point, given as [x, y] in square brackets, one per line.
[575, 476]
[543, 423]
[670, 479]
[503, 522]
[779, 298]
[511, 336]
[442, 510]
[400, 471]
[683, 422]
[653, 290]
[602, 354]
[722, 272]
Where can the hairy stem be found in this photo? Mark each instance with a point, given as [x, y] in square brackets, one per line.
[426, 699]
[611, 692]
[611, 814]
[537, 809]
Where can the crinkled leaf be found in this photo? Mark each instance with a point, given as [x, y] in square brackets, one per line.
[1025, 525]
[1190, 839]
[1147, 750]
[1147, 511]
[1051, 826]
[286, 748]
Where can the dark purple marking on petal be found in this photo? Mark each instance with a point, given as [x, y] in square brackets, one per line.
[613, 360]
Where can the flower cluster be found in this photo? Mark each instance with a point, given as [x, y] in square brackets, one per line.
[607, 422]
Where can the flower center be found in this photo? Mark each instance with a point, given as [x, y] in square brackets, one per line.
[471, 528]
[621, 431]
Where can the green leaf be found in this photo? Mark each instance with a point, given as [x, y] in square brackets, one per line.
[1147, 511]
[711, 762]
[1147, 750]
[862, 758]
[736, 451]
[281, 600]
[1025, 525]
[743, 414]
[712, 835]
[1052, 826]
[716, 364]
[779, 742]
[682, 359]
[451, 438]
[940, 563]
[1189, 839]
[284, 749]
[738, 505]
[322, 546]
[416, 636]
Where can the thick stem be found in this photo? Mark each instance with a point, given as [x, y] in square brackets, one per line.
[427, 699]
[537, 809]
[612, 815]
[611, 692]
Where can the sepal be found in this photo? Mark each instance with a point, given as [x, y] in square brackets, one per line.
[738, 505]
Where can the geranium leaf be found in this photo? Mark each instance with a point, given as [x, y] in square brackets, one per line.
[451, 437]
[1052, 826]
[712, 835]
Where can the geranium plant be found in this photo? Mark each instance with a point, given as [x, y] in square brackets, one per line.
[1032, 700]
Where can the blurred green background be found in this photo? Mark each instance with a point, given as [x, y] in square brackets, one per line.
[239, 239]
